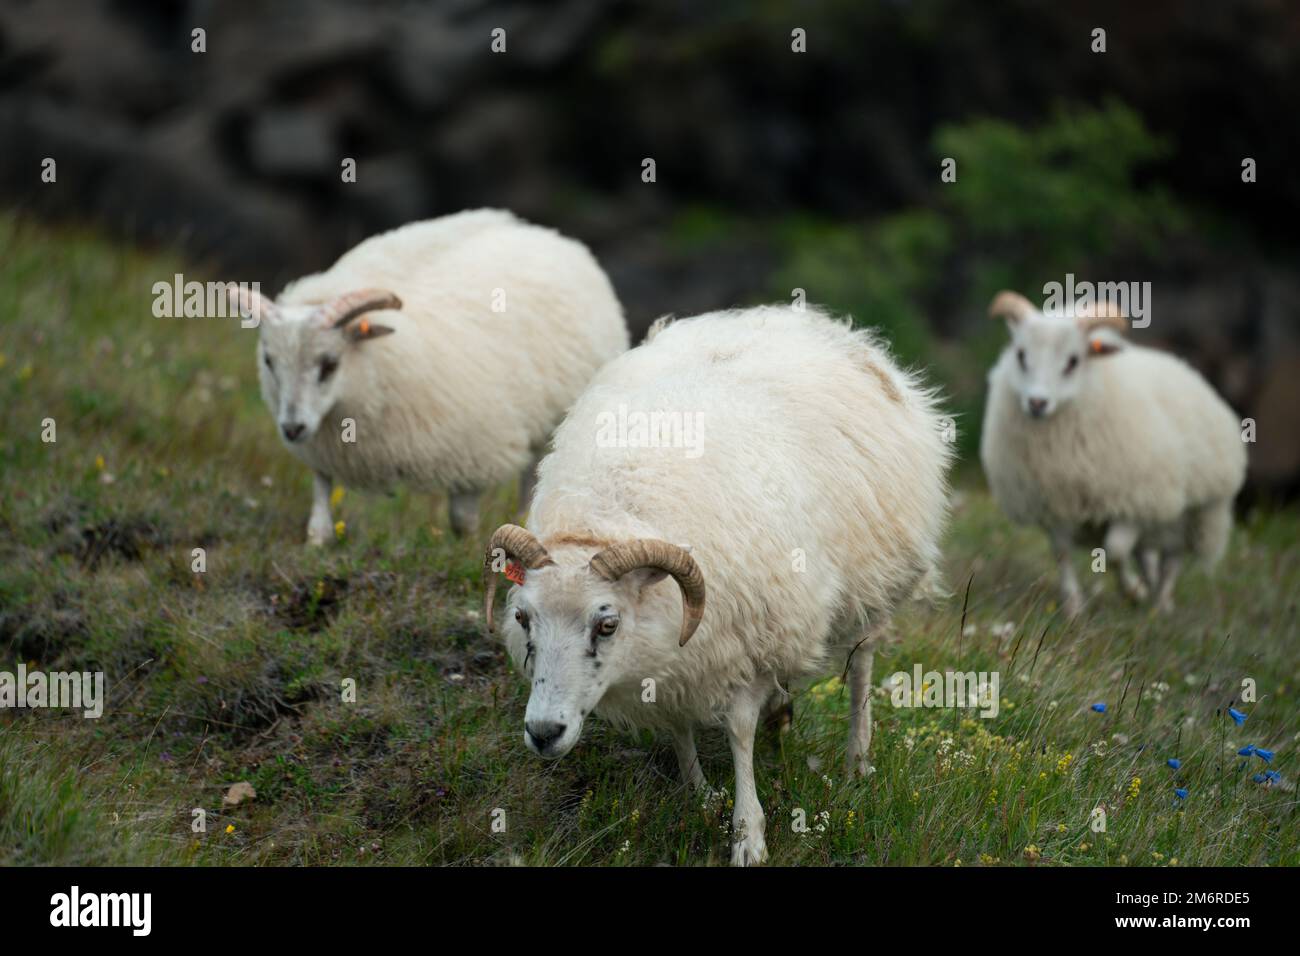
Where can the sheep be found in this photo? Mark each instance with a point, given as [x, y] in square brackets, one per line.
[1098, 440]
[477, 299]
[811, 500]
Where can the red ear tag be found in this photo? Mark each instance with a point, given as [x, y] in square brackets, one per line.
[515, 572]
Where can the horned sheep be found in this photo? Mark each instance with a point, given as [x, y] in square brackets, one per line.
[810, 505]
[498, 326]
[1097, 439]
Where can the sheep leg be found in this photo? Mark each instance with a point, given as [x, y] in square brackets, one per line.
[747, 821]
[860, 706]
[688, 761]
[1173, 563]
[1071, 593]
[320, 526]
[462, 509]
[1120, 541]
[1151, 568]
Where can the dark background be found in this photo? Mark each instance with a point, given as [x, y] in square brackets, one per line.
[775, 170]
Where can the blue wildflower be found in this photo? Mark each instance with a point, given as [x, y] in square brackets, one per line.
[1099, 708]
[1264, 755]
[1174, 762]
[1180, 793]
[1272, 776]
[1246, 751]
[1237, 716]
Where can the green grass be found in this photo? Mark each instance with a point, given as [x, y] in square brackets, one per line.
[235, 674]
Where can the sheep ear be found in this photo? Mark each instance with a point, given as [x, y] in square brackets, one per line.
[364, 330]
[1099, 347]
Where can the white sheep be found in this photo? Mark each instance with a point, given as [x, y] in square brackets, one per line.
[778, 455]
[1098, 440]
[501, 324]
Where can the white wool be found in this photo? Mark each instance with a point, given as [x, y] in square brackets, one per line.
[814, 444]
[461, 395]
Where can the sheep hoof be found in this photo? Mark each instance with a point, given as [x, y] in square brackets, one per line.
[1135, 591]
[319, 535]
[751, 851]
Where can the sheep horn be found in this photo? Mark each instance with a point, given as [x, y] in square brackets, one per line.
[1011, 306]
[1092, 318]
[252, 303]
[340, 311]
[617, 560]
[518, 544]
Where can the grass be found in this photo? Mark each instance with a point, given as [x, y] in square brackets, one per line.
[237, 673]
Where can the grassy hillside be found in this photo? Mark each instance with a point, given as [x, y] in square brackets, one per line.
[234, 674]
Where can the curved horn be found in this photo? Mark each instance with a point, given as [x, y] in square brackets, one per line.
[251, 303]
[340, 311]
[617, 560]
[1106, 316]
[518, 544]
[1011, 306]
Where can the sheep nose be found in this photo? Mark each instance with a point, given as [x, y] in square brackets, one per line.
[543, 733]
[292, 430]
[1037, 406]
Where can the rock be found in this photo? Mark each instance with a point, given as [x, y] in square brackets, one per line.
[1275, 455]
[300, 142]
[238, 794]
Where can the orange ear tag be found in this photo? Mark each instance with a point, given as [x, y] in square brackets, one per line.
[515, 572]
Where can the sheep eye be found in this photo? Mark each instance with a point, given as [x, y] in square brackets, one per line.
[1020, 357]
[522, 618]
[1071, 365]
[328, 365]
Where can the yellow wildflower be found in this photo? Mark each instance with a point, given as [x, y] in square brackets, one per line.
[340, 528]
[336, 496]
[230, 828]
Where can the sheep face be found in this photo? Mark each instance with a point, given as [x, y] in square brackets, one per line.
[1047, 363]
[306, 353]
[303, 369]
[572, 633]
